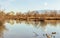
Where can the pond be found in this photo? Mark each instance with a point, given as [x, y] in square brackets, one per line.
[30, 29]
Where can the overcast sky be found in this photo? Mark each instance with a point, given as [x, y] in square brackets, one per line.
[26, 5]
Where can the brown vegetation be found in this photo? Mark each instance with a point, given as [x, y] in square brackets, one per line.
[33, 15]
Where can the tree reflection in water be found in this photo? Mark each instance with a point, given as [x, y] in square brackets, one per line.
[36, 24]
[2, 29]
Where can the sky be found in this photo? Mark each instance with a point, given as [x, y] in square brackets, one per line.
[26, 5]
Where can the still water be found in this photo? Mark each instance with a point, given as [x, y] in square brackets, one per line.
[29, 29]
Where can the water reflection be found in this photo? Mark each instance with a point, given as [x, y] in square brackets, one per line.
[44, 26]
[2, 29]
[35, 34]
[35, 23]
